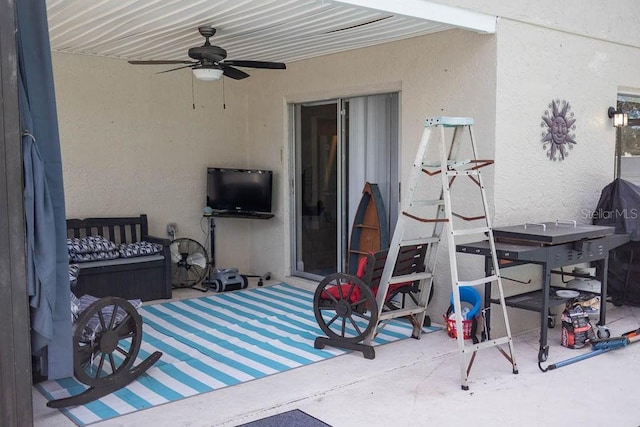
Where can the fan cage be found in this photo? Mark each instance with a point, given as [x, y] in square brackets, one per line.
[189, 263]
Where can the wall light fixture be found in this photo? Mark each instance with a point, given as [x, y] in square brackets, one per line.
[620, 119]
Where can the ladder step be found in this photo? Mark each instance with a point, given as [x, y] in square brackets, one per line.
[459, 163]
[420, 241]
[468, 231]
[477, 282]
[432, 202]
[448, 121]
[463, 172]
[410, 277]
[486, 344]
[451, 164]
[401, 312]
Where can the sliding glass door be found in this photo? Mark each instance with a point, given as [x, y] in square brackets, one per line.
[339, 145]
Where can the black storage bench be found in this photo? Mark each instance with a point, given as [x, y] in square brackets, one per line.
[146, 277]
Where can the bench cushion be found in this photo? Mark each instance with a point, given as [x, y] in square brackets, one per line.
[90, 244]
[129, 250]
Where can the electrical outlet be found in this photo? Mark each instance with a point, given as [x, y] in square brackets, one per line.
[172, 229]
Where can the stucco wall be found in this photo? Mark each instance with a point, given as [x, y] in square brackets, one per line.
[132, 143]
[615, 22]
[535, 66]
[580, 70]
[450, 73]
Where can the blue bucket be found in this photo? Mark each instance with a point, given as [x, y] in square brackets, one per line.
[472, 297]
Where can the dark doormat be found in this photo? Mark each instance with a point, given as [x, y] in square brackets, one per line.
[294, 418]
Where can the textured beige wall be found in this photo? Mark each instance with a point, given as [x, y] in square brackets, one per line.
[450, 73]
[616, 22]
[555, 65]
[132, 143]
[579, 51]
[536, 66]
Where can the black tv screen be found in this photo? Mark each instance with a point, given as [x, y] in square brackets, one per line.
[247, 190]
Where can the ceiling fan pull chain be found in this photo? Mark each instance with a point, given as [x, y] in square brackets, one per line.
[193, 96]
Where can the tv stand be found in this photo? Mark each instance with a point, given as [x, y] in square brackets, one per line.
[212, 227]
[241, 214]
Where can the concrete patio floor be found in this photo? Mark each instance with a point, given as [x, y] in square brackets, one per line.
[417, 383]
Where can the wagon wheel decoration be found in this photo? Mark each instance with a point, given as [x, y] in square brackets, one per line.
[345, 308]
[106, 340]
[559, 122]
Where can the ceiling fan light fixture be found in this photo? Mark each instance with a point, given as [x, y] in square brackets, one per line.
[207, 74]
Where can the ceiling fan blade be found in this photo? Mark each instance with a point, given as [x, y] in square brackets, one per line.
[257, 64]
[233, 73]
[179, 68]
[159, 62]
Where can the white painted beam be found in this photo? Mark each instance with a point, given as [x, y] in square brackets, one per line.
[431, 11]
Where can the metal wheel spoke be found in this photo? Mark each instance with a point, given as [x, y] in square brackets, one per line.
[330, 295]
[102, 321]
[344, 326]
[339, 285]
[362, 316]
[122, 351]
[333, 319]
[100, 365]
[114, 314]
[112, 362]
[353, 323]
[352, 286]
[360, 301]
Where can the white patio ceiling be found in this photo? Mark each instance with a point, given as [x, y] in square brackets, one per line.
[261, 30]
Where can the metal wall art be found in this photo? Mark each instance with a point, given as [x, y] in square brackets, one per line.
[559, 122]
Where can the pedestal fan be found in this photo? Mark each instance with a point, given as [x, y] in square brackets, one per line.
[189, 264]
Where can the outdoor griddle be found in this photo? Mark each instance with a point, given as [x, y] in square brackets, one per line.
[550, 245]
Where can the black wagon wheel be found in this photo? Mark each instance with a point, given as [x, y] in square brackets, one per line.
[106, 340]
[345, 308]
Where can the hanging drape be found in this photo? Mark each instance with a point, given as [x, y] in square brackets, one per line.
[372, 124]
[47, 259]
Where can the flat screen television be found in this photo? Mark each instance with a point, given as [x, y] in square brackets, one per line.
[239, 190]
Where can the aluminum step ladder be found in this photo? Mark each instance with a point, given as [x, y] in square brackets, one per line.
[426, 213]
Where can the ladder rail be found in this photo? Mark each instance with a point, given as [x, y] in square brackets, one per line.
[456, 283]
[442, 221]
[400, 229]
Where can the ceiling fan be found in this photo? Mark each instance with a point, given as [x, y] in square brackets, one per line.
[209, 61]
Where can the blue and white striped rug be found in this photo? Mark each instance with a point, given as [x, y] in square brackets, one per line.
[213, 342]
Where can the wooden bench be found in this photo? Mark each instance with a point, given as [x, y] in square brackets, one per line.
[145, 277]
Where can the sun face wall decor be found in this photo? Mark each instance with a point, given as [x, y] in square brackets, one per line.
[559, 122]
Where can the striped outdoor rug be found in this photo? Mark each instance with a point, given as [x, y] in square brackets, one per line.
[213, 342]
